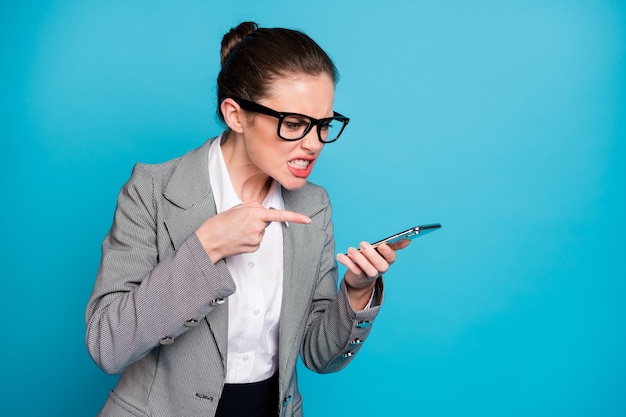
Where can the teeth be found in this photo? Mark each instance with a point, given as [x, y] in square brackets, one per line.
[299, 163]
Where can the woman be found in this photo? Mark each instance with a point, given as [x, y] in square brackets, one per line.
[219, 267]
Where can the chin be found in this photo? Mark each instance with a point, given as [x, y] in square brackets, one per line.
[293, 184]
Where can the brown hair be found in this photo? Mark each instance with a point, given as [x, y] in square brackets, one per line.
[253, 57]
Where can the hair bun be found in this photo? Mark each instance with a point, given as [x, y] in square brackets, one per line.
[234, 36]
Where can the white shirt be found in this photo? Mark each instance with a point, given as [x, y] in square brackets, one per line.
[254, 308]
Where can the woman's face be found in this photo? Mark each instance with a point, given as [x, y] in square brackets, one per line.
[289, 162]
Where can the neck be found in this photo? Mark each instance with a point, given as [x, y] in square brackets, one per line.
[250, 183]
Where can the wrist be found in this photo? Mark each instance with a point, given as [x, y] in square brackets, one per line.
[360, 297]
[212, 250]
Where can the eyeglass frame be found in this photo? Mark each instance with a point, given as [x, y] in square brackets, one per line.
[261, 109]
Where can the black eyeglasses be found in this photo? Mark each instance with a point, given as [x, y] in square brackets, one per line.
[295, 126]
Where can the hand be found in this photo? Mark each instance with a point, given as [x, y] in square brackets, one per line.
[364, 268]
[241, 229]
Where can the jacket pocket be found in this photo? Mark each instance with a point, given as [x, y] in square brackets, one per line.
[117, 407]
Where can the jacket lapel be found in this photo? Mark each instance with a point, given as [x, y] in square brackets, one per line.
[303, 246]
[189, 191]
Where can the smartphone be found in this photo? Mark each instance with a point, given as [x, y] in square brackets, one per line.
[409, 234]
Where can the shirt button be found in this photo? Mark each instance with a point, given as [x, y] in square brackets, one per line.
[191, 323]
[256, 312]
[251, 264]
[245, 357]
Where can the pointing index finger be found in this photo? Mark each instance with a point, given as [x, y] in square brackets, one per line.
[285, 216]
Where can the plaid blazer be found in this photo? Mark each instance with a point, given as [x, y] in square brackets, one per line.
[159, 308]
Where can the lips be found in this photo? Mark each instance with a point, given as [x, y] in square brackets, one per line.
[300, 167]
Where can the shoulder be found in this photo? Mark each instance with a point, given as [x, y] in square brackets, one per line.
[161, 169]
[190, 166]
[192, 157]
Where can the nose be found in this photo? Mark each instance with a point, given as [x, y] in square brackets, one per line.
[311, 141]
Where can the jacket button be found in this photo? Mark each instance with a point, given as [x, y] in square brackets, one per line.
[348, 354]
[191, 323]
[363, 324]
[356, 342]
[287, 401]
[217, 301]
[167, 340]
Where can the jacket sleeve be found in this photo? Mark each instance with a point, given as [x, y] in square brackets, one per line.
[145, 296]
[335, 332]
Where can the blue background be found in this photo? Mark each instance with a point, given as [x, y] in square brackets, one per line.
[504, 121]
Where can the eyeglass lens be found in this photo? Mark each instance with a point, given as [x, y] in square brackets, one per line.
[294, 127]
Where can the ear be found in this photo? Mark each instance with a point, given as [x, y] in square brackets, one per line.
[233, 115]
